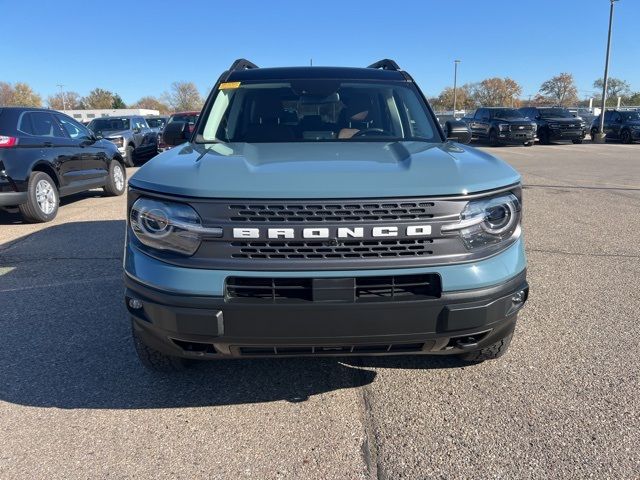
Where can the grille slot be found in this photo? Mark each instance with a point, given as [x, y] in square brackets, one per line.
[349, 212]
[330, 349]
[367, 289]
[319, 250]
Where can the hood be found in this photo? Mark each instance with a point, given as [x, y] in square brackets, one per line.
[523, 120]
[562, 119]
[112, 133]
[323, 170]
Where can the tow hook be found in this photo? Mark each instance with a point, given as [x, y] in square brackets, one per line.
[466, 343]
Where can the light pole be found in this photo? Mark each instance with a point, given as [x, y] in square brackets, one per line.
[64, 102]
[455, 84]
[601, 137]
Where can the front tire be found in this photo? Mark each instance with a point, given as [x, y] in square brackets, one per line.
[528, 144]
[129, 159]
[543, 136]
[577, 141]
[42, 199]
[493, 351]
[626, 137]
[117, 179]
[493, 139]
[157, 361]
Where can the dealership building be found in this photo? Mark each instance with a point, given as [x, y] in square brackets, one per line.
[88, 115]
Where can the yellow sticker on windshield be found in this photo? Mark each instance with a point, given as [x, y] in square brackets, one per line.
[228, 85]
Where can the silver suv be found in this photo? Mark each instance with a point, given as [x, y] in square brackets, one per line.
[131, 134]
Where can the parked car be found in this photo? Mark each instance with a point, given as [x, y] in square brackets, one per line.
[501, 126]
[156, 123]
[322, 211]
[45, 155]
[556, 123]
[188, 118]
[619, 125]
[131, 134]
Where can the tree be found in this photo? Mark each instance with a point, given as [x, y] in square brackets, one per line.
[98, 98]
[183, 96]
[6, 93]
[444, 101]
[615, 87]
[633, 99]
[19, 95]
[118, 102]
[561, 89]
[151, 103]
[496, 92]
[62, 100]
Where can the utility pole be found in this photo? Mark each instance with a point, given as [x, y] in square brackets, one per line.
[455, 84]
[601, 137]
[64, 102]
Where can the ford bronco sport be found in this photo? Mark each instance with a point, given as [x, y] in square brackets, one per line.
[322, 211]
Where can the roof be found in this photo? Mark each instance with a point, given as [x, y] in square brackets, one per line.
[294, 73]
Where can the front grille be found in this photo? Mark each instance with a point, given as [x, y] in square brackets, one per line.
[525, 128]
[330, 349]
[361, 289]
[343, 250]
[320, 212]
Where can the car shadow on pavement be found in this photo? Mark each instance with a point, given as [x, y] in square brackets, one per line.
[67, 341]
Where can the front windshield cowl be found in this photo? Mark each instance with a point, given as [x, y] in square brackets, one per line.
[317, 110]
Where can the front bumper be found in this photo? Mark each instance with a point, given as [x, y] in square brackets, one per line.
[517, 137]
[476, 308]
[557, 134]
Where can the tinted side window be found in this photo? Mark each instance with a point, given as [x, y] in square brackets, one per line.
[73, 128]
[40, 124]
[139, 123]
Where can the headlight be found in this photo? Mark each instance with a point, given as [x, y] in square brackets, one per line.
[119, 141]
[488, 221]
[504, 127]
[168, 226]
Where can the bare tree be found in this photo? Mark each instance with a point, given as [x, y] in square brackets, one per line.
[151, 103]
[183, 96]
[61, 100]
[615, 87]
[561, 89]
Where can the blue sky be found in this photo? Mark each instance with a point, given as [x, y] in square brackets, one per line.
[138, 48]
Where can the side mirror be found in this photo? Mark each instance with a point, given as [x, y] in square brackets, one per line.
[175, 133]
[457, 131]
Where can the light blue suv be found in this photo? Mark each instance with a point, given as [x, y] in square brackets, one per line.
[322, 211]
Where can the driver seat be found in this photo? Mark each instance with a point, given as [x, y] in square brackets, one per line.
[355, 116]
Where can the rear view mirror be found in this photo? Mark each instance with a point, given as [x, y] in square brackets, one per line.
[457, 131]
[176, 133]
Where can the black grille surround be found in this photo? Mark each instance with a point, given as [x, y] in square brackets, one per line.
[337, 254]
[395, 288]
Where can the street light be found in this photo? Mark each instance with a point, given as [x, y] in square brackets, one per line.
[64, 103]
[455, 84]
[601, 137]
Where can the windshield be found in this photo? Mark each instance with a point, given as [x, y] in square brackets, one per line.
[507, 113]
[318, 110]
[156, 122]
[555, 113]
[183, 117]
[109, 124]
[631, 116]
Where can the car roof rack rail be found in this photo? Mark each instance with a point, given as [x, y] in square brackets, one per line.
[386, 64]
[242, 64]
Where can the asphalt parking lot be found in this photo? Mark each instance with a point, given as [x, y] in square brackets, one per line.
[563, 403]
